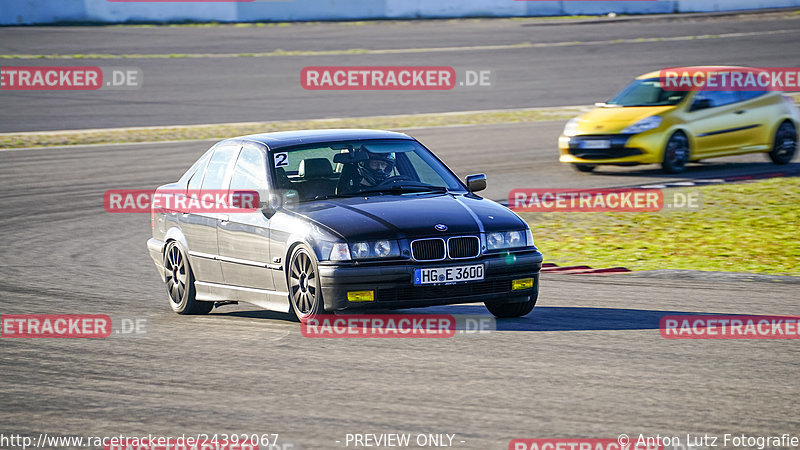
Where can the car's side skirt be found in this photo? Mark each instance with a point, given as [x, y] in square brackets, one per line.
[735, 151]
[215, 292]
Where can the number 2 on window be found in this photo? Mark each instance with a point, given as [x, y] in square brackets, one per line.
[281, 159]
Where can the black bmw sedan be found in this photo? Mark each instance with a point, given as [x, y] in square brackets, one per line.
[345, 219]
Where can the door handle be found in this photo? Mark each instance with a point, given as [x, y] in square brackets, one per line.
[741, 111]
[224, 219]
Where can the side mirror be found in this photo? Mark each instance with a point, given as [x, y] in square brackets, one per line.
[277, 200]
[702, 103]
[476, 182]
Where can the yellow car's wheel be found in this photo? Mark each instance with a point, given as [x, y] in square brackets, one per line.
[586, 168]
[785, 144]
[676, 153]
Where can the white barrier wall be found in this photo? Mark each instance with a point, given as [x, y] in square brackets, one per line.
[54, 11]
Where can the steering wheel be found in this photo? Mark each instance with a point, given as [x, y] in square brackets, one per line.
[393, 180]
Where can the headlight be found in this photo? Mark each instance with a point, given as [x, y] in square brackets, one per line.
[494, 241]
[361, 250]
[376, 249]
[382, 248]
[340, 252]
[529, 237]
[513, 239]
[571, 129]
[509, 239]
[643, 125]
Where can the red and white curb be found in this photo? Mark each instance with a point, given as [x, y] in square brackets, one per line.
[581, 270]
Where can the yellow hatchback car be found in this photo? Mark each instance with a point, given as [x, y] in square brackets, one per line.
[644, 124]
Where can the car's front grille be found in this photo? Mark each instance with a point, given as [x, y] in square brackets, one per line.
[428, 249]
[463, 247]
[617, 147]
[605, 154]
[443, 292]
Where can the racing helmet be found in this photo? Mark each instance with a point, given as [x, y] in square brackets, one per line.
[377, 167]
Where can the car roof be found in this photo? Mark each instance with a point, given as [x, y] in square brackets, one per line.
[657, 73]
[290, 138]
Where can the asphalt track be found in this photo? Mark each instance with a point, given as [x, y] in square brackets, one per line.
[579, 64]
[588, 362]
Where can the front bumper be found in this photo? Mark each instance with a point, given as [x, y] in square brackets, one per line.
[645, 148]
[393, 288]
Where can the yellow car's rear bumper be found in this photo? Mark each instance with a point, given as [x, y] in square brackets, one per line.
[645, 148]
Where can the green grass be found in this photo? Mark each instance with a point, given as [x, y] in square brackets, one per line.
[747, 227]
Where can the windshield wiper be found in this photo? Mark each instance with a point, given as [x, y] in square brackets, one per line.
[400, 188]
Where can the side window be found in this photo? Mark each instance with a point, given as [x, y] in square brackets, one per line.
[251, 171]
[749, 95]
[291, 162]
[718, 98]
[197, 178]
[219, 167]
[196, 167]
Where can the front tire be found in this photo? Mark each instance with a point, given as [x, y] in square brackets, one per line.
[676, 154]
[305, 291]
[180, 283]
[785, 145]
[584, 168]
[510, 310]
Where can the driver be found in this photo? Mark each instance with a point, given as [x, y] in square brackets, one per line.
[376, 169]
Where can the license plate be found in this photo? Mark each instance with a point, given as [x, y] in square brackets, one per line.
[595, 145]
[445, 275]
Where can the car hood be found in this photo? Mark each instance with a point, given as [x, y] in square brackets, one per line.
[613, 120]
[410, 216]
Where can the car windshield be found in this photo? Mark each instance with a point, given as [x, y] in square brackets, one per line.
[646, 93]
[346, 169]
